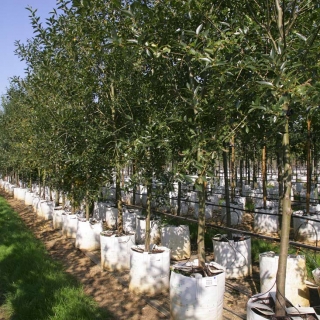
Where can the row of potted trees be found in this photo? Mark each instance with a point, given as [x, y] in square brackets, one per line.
[191, 287]
[195, 292]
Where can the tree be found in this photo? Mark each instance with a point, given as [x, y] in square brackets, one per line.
[281, 26]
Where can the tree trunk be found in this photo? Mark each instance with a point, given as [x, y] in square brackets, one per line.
[264, 174]
[280, 178]
[63, 200]
[241, 177]
[134, 190]
[39, 175]
[232, 169]
[44, 184]
[308, 166]
[201, 188]
[119, 202]
[248, 170]
[179, 199]
[285, 229]
[148, 217]
[30, 182]
[87, 205]
[226, 187]
[254, 173]
[56, 198]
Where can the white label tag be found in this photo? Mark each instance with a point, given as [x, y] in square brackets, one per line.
[213, 281]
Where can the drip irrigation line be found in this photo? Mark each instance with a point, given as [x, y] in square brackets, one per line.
[252, 234]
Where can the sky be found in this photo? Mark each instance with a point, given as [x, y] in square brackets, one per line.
[15, 25]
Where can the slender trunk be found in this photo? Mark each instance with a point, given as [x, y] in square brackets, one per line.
[280, 175]
[134, 190]
[122, 179]
[264, 174]
[248, 171]
[241, 177]
[44, 184]
[315, 157]
[119, 203]
[285, 228]
[254, 173]
[201, 188]
[232, 169]
[226, 187]
[56, 198]
[148, 217]
[30, 182]
[72, 200]
[236, 174]
[308, 166]
[39, 175]
[63, 200]
[87, 205]
[179, 199]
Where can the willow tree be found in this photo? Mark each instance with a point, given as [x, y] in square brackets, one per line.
[16, 131]
[289, 30]
[199, 47]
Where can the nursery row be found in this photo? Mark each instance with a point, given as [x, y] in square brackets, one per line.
[164, 90]
[150, 271]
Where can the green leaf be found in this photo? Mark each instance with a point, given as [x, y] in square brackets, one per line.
[199, 28]
[132, 41]
[127, 13]
[301, 36]
[166, 50]
[257, 107]
[205, 59]
[265, 83]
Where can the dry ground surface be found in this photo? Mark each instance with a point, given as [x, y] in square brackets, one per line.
[109, 289]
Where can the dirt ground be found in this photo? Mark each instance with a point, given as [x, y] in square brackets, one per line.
[109, 289]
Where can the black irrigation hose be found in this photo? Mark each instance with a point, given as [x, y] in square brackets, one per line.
[254, 235]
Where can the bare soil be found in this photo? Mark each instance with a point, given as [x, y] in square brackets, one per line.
[110, 289]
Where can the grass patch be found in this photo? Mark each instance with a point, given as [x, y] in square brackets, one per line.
[32, 285]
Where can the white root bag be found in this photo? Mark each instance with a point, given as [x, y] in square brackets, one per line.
[88, 235]
[306, 230]
[296, 289]
[35, 203]
[115, 251]
[57, 218]
[111, 217]
[69, 226]
[149, 273]
[129, 220]
[141, 231]
[28, 198]
[177, 239]
[19, 193]
[234, 256]
[197, 298]
[47, 208]
[39, 208]
[264, 222]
